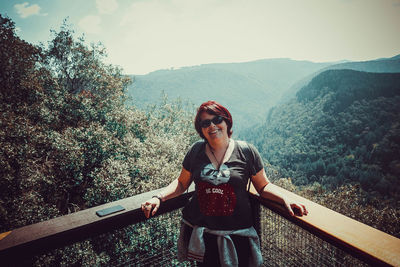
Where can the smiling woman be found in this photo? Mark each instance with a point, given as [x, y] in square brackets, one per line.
[217, 225]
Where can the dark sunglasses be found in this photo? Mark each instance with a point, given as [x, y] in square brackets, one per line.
[216, 120]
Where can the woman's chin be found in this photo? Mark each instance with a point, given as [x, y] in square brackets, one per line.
[215, 136]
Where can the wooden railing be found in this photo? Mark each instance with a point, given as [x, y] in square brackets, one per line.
[41, 237]
[364, 242]
[360, 240]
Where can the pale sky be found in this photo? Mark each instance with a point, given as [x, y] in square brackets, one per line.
[147, 35]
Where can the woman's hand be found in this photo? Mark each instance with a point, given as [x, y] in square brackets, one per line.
[175, 188]
[151, 206]
[270, 191]
[295, 208]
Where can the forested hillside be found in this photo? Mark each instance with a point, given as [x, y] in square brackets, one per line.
[343, 127]
[248, 89]
[69, 142]
[384, 65]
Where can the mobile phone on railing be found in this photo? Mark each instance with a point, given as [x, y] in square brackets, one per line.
[110, 210]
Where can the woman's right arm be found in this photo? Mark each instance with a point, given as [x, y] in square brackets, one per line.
[177, 187]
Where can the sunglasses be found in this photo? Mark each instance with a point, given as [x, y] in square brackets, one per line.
[216, 120]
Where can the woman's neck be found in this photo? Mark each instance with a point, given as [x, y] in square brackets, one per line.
[221, 144]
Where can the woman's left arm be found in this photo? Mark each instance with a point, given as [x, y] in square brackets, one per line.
[269, 191]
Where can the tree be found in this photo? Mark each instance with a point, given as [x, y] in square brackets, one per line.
[21, 98]
[331, 169]
[20, 76]
[81, 74]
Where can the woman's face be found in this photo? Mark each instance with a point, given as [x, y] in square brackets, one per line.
[214, 131]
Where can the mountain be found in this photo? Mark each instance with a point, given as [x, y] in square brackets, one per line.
[384, 65]
[343, 126]
[247, 89]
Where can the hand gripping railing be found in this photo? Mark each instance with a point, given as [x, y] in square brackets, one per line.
[366, 243]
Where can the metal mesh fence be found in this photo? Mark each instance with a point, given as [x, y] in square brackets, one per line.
[158, 243]
[153, 243]
[159, 247]
[286, 244]
[150, 243]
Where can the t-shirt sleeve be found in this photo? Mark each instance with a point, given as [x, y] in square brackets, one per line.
[257, 163]
[187, 160]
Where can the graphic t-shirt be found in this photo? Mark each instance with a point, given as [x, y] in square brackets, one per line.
[220, 201]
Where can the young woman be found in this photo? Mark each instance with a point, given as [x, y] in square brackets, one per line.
[217, 227]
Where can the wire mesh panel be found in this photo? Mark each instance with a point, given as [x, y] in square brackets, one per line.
[153, 243]
[286, 244]
[158, 246]
[150, 243]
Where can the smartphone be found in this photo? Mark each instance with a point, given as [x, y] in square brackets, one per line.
[109, 210]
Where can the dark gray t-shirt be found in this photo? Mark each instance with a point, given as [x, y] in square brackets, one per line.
[221, 201]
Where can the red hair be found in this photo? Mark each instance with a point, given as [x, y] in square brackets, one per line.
[213, 108]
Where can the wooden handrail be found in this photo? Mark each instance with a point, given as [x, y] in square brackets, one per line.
[367, 243]
[24, 242]
[360, 240]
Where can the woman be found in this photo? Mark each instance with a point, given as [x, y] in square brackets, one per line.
[217, 222]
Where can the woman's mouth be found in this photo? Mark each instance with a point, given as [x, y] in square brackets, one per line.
[213, 132]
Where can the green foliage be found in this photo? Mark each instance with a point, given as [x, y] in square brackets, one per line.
[348, 86]
[354, 202]
[19, 77]
[69, 142]
[343, 127]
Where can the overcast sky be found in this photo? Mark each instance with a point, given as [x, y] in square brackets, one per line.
[146, 35]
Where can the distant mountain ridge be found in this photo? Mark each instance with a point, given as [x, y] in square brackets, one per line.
[359, 84]
[384, 65]
[247, 89]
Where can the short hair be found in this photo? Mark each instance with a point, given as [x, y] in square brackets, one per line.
[213, 108]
